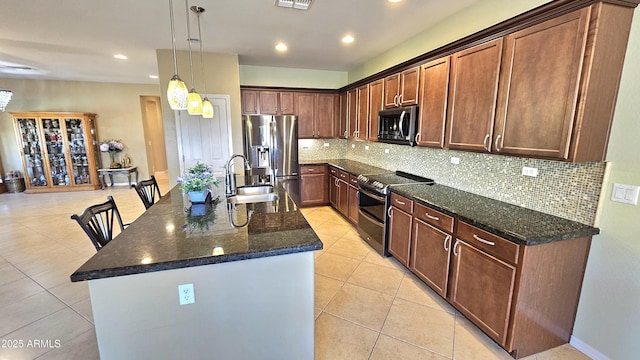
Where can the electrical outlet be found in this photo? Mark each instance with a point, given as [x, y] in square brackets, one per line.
[353, 146]
[186, 294]
[455, 160]
[386, 151]
[326, 145]
[529, 171]
[366, 147]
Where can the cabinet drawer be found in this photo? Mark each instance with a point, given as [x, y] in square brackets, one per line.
[433, 217]
[353, 180]
[402, 203]
[313, 169]
[492, 244]
[344, 176]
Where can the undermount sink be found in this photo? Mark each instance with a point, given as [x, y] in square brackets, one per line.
[251, 198]
[254, 190]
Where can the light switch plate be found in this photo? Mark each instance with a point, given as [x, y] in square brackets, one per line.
[386, 151]
[529, 171]
[627, 194]
[366, 147]
[325, 144]
[455, 160]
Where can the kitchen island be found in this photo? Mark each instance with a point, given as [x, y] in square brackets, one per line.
[251, 266]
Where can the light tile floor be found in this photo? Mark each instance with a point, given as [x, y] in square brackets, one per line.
[367, 307]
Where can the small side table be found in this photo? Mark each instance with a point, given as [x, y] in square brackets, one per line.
[125, 170]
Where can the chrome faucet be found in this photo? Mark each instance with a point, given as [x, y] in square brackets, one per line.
[230, 180]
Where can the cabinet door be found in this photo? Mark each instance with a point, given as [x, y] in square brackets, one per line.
[352, 110]
[482, 288]
[28, 132]
[333, 191]
[313, 189]
[304, 103]
[268, 102]
[376, 103]
[79, 149]
[399, 235]
[472, 96]
[362, 115]
[353, 204]
[343, 197]
[286, 102]
[409, 91]
[391, 90]
[539, 85]
[325, 109]
[341, 129]
[430, 256]
[434, 90]
[250, 102]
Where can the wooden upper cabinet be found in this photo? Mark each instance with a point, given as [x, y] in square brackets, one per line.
[342, 129]
[539, 87]
[325, 110]
[434, 89]
[352, 110]
[362, 112]
[376, 103]
[402, 89]
[473, 89]
[250, 102]
[276, 103]
[305, 111]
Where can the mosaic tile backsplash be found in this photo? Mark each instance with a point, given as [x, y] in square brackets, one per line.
[567, 190]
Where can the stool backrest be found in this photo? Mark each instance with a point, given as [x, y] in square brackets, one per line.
[97, 221]
[148, 191]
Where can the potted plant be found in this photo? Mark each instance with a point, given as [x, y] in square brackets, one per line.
[113, 147]
[197, 182]
[200, 217]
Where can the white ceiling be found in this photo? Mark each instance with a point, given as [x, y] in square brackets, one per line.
[76, 39]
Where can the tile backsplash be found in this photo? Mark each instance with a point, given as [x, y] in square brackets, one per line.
[567, 190]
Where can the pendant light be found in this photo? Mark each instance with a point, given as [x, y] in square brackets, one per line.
[177, 90]
[194, 101]
[207, 106]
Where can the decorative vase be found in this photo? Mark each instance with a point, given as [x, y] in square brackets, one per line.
[198, 197]
[114, 163]
[198, 209]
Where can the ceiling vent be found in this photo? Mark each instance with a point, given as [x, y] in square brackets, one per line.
[296, 4]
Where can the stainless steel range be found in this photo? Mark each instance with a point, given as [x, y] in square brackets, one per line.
[373, 202]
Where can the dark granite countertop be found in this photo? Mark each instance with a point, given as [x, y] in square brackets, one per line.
[350, 166]
[514, 223]
[165, 237]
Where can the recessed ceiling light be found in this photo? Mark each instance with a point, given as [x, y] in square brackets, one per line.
[282, 47]
[153, 76]
[120, 56]
[394, 1]
[348, 39]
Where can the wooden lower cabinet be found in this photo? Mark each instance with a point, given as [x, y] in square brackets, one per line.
[314, 189]
[353, 204]
[482, 289]
[430, 256]
[523, 297]
[399, 234]
[342, 195]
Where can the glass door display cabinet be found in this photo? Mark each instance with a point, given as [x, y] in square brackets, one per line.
[58, 150]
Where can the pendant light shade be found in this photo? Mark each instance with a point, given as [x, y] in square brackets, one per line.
[177, 93]
[195, 103]
[207, 108]
[176, 90]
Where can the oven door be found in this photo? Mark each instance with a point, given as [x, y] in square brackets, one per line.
[371, 218]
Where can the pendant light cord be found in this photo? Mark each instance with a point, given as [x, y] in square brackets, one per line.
[186, 2]
[204, 82]
[173, 38]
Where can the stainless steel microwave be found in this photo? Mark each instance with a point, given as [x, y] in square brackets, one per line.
[398, 125]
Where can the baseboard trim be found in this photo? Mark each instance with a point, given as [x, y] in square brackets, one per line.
[587, 349]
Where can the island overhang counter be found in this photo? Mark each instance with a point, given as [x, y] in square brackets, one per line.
[251, 266]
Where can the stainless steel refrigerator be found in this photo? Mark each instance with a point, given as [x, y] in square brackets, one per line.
[271, 146]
